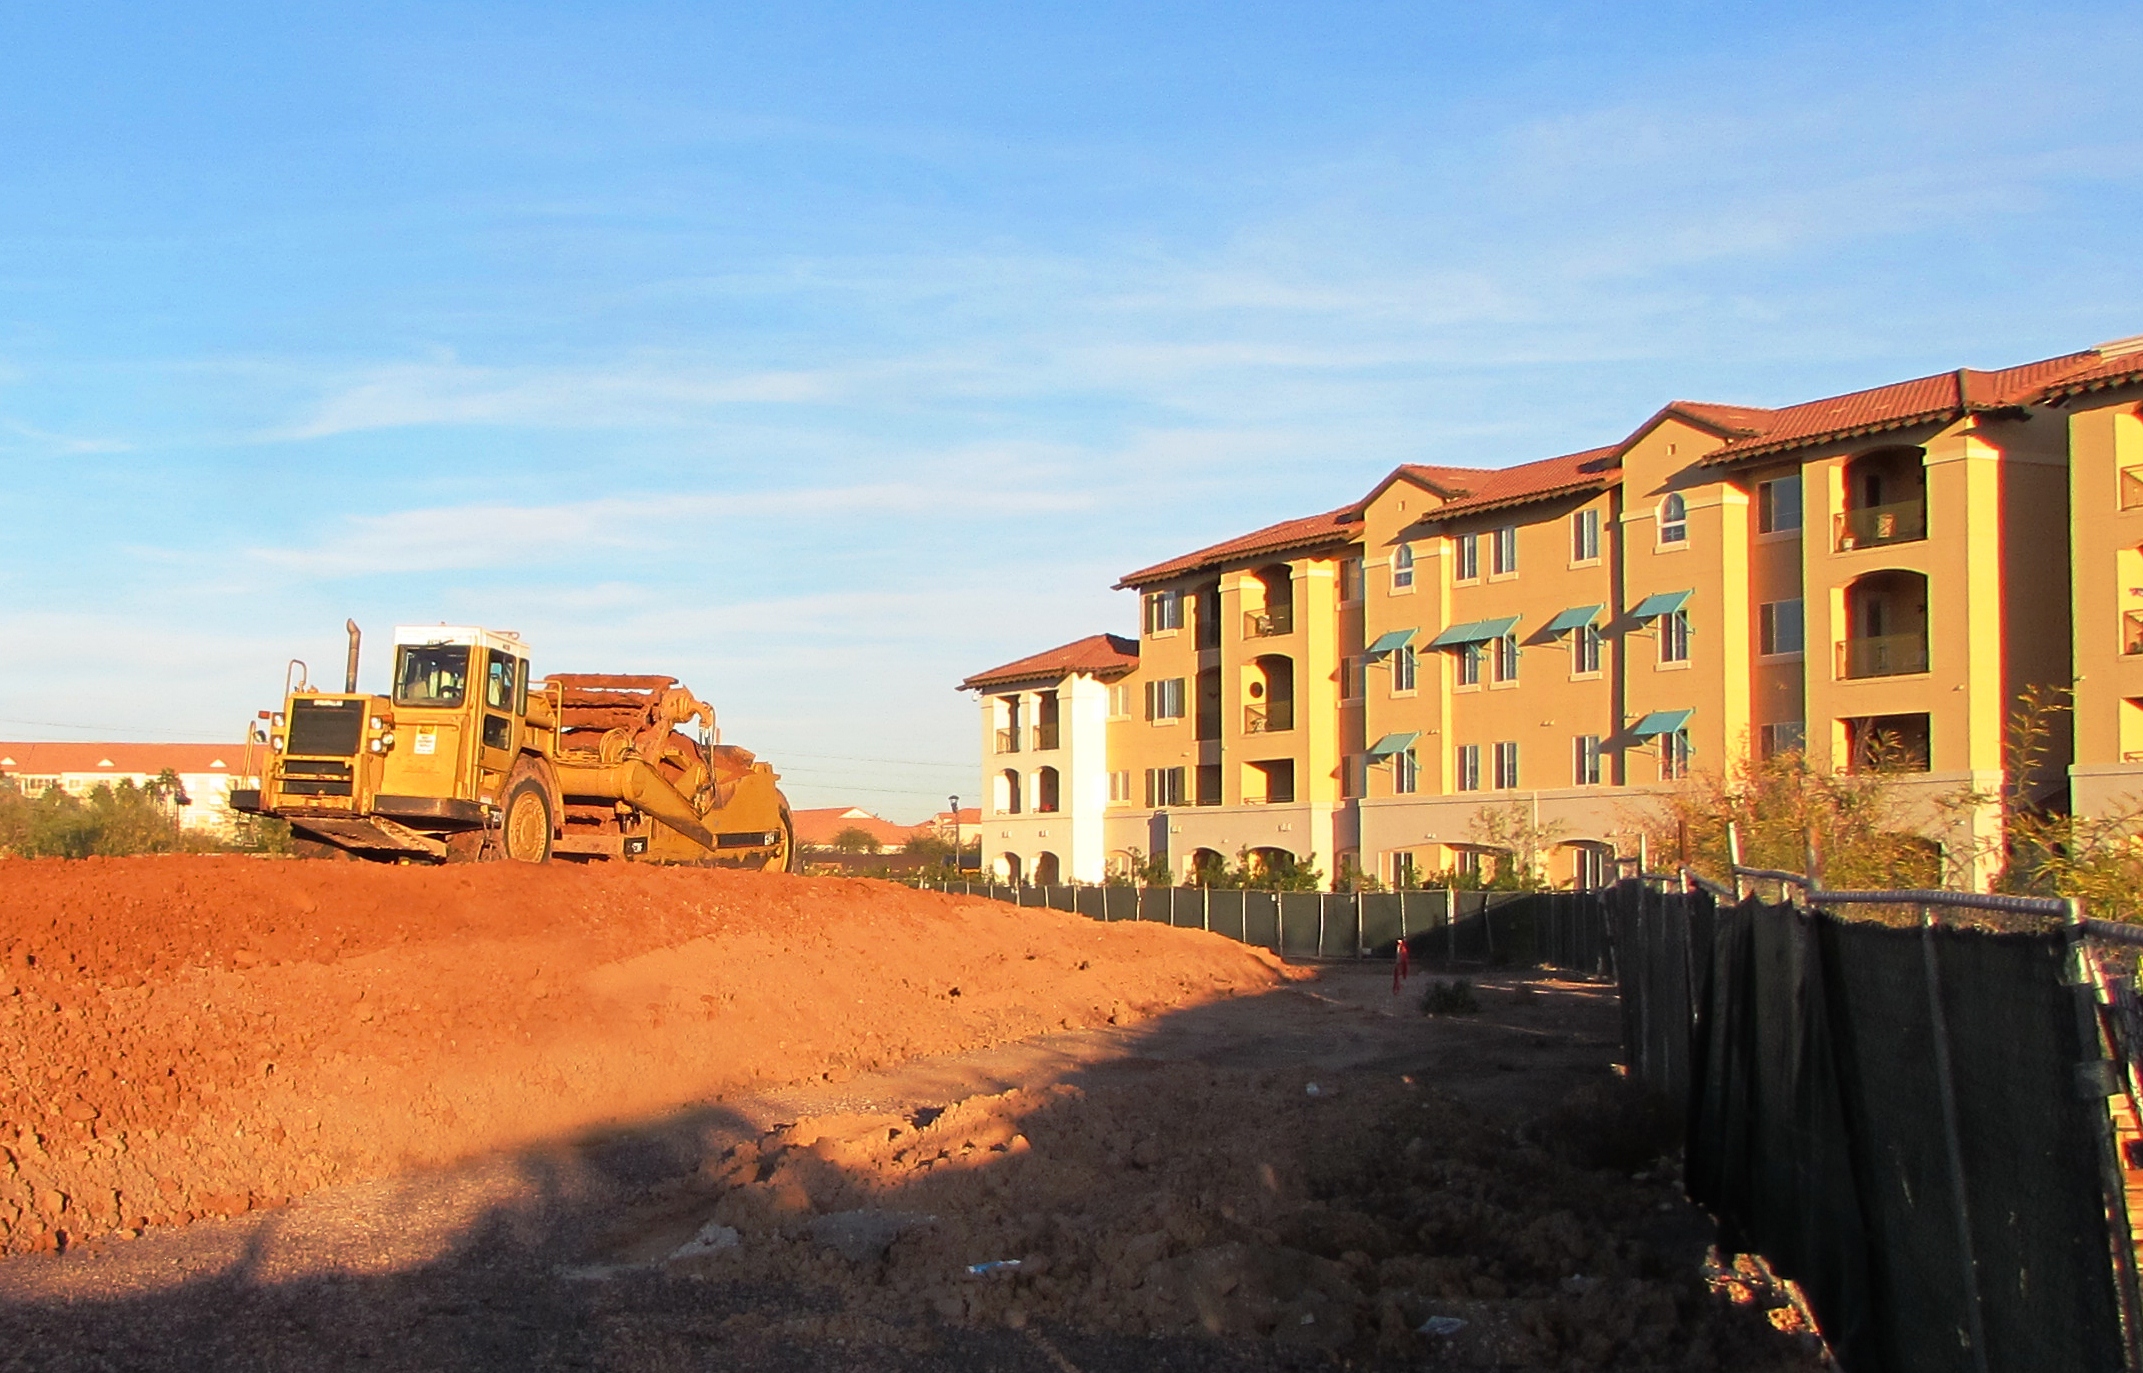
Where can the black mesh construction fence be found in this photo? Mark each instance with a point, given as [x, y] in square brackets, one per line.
[1521, 929]
[1892, 1117]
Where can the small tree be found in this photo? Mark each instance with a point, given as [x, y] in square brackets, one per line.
[855, 839]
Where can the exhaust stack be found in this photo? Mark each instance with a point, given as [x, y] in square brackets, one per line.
[349, 675]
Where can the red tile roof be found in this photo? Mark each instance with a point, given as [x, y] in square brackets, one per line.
[2113, 364]
[1936, 399]
[1496, 488]
[819, 828]
[124, 760]
[1333, 526]
[1099, 655]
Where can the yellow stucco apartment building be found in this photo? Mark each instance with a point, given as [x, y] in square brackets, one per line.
[1352, 688]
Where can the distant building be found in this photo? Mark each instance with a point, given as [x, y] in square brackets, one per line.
[206, 772]
[817, 829]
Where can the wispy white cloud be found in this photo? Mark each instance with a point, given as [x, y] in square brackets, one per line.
[30, 439]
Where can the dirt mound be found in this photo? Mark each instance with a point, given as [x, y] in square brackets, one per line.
[199, 1035]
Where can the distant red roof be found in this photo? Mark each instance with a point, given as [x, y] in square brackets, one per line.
[1936, 399]
[1098, 655]
[1495, 488]
[819, 828]
[1333, 526]
[124, 760]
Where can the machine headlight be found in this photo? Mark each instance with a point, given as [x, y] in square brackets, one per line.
[275, 742]
[376, 723]
[276, 719]
[387, 738]
[376, 747]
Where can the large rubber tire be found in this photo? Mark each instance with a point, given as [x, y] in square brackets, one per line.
[783, 859]
[525, 830]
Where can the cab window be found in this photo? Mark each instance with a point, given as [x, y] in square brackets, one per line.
[431, 675]
[502, 682]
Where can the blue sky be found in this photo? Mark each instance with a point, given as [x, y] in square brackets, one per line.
[821, 355]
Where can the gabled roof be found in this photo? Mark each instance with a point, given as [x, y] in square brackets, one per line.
[1098, 655]
[1937, 399]
[125, 760]
[1331, 527]
[1495, 488]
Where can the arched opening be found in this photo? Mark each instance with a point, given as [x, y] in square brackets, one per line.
[1207, 866]
[1045, 870]
[1007, 789]
[1402, 567]
[1047, 725]
[1885, 499]
[1589, 864]
[1274, 614]
[1885, 625]
[1123, 864]
[1205, 610]
[1674, 519]
[1268, 694]
[1010, 869]
[1269, 864]
[1045, 789]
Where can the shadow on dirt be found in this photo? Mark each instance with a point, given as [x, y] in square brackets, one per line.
[1316, 1176]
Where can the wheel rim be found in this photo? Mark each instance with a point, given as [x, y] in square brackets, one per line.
[526, 828]
[778, 860]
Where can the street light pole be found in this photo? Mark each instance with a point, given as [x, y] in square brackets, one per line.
[955, 832]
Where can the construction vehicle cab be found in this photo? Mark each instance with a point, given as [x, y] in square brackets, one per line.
[466, 757]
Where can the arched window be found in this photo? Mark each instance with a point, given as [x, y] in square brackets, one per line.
[1402, 565]
[1674, 519]
[1008, 790]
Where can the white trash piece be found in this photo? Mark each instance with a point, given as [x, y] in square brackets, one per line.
[1441, 1325]
[713, 1238]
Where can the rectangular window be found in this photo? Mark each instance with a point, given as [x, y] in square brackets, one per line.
[1506, 765]
[1466, 768]
[1120, 701]
[1585, 649]
[1164, 612]
[1119, 786]
[1352, 770]
[1404, 662]
[1208, 785]
[1506, 651]
[1788, 736]
[1503, 551]
[1778, 505]
[1674, 637]
[1674, 755]
[1778, 627]
[1585, 761]
[1466, 558]
[1585, 536]
[1405, 773]
[1350, 679]
[1469, 665]
[1164, 699]
[1350, 580]
[1164, 787]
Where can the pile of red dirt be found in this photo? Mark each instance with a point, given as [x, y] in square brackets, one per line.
[203, 1035]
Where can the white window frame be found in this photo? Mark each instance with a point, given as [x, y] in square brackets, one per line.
[1468, 666]
[1674, 753]
[1351, 674]
[1767, 493]
[1674, 638]
[1402, 567]
[1585, 536]
[1585, 655]
[1505, 659]
[1351, 576]
[1165, 700]
[1503, 551]
[1783, 736]
[1405, 670]
[1405, 773]
[1465, 557]
[1585, 758]
[1673, 520]
[1163, 613]
[1466, 768]
[1506, 765]
[1165, 787]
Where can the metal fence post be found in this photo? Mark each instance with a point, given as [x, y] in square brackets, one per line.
[1975, 1322]
[1451, 924]
[1205, 909]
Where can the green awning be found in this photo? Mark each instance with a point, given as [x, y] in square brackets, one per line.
[1661, 722]
[1479, 632]
[1392, 642]
[1661, 603]
[1391, 744]
[1576, 617]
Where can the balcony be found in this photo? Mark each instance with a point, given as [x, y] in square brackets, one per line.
[2131, 487]
[1882, 655]
[1274, 717]
[1008, 741]
[1270, 623]
[1873, 526]
[1046, 737]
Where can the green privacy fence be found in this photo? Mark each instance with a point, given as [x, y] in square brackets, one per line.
[1558, 929]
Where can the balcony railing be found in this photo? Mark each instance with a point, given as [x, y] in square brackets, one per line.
[1274, 717]
[1872, 526]
[1270, 623]
[1045, 738]
[2131, 487]
[1882, 655]
[1008, 741]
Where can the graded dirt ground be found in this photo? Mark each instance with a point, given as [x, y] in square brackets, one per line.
[1252, 1167]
